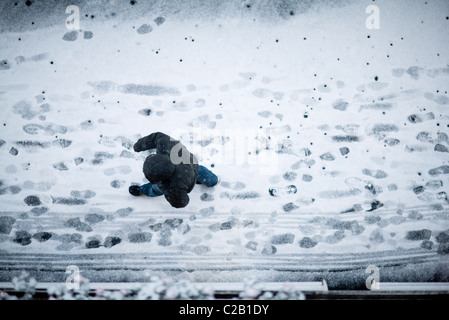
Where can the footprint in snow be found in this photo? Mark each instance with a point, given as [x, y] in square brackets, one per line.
[236, 186]
[120, 169]
[49, 129]
[85, 194]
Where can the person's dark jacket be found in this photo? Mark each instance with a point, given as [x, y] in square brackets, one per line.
[173, 168]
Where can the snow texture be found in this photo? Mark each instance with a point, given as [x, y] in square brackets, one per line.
[267, 95]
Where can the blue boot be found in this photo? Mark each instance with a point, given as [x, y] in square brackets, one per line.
[206, 177]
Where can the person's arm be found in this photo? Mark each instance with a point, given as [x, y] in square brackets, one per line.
[149, 142]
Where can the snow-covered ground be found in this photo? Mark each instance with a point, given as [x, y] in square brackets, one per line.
[266, 94]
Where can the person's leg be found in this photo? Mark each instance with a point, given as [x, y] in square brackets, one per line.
[206, 177]
[150, 190]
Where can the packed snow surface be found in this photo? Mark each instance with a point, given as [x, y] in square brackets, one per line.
[267, 95]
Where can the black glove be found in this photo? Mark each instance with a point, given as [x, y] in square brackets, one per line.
[135, 191]
[137, 147]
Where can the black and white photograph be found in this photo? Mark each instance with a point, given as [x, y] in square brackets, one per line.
[240, 151]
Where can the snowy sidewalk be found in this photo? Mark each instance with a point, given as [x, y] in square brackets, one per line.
[355, 118]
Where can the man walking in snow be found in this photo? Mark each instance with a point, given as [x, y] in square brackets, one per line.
[172, 171]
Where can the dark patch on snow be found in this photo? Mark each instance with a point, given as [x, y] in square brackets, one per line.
[33, 144]
[290, 175]
[34, 128]
[148, 90]
[87, 194]
[207, 211]
[289, 207]
[379, 128]
[159, 21]
[123, 212]
[78, 161]
[103, 155]
[215, 227]
[126, 154]
[207, 197]
[236, 186]
[70, 36]
[201, 249]
[333, 194]
[140, 237]
[427, 244]
[69, 201]
[10, 190]
[442, 237]
[307, 178]
[418, 189]
[377, 236]
[93, 218]
[375, 204]
[5, 64]
[440, 170]
[88, 35]
[32, 201]
[23, 108]
[156, 227]
[173, 223]
[240, 195]
[117, 184]
[354, 208]
[13, 151]
[93, 243]
[264, 114]
[23, 237]
[164, 242]
[415, 148]
[111, 241]
[347, 138]
[76, 238]
[414, 72]
[377, 174]
[184, 228]
[144, 29]
[392, 141]
[442, 196]
[336, 237]
[39, 210]
[283, 238]
[227, 225]
[377, 106]
[327, 157]
[434, 184]
[78, 225]
[62, 143]
[340, 104]
[344, 151]
[443, 248]
[441, 148]
[6, 223]
[60, 166]
[252, 245]
[42, 236]
[372, 219]
[269, 250]
[145, 112]
[413, 118]
[423, 234]
[307, 243]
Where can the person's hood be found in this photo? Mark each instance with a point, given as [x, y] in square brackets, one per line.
[157, 168]
[177, 198]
